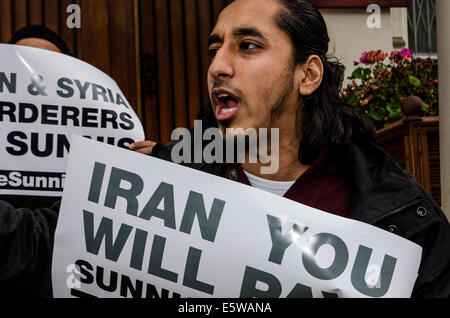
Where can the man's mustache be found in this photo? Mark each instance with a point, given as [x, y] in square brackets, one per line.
[236, 91]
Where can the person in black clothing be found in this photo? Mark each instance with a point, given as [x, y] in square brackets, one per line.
[37, 36]
[270, 68]
[28, 223]
[26, 247]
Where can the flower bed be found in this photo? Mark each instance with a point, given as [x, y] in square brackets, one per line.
[379, 85]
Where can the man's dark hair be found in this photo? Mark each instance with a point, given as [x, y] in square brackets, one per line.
[326, 120]
[41, 32]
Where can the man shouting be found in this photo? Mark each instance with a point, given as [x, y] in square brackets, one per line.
[270, 69]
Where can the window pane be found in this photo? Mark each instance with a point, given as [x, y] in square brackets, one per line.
[422, 26]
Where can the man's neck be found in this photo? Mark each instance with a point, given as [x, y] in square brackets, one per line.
[290, 168]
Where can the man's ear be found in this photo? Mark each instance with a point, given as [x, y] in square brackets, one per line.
[309, 75]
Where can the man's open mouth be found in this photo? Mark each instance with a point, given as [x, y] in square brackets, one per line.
[226, 105]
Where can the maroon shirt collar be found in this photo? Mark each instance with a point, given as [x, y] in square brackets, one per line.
[323, 186]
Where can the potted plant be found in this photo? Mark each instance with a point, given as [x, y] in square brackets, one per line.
[379, 85]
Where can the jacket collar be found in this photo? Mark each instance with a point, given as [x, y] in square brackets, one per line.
[379, 185]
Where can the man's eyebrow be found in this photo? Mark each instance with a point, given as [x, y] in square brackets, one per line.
[214, 38]
[238, 32]
[248, 31]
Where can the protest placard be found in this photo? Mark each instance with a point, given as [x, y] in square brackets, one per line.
[44, 98]
[135, 226]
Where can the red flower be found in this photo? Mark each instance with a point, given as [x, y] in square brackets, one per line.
[364, 58]
[394, 54]
[406, 53]
[372, 57]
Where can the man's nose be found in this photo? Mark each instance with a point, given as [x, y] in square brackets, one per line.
[222, 64]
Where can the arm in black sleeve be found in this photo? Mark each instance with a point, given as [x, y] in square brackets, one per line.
[434, 273]
[26, 247]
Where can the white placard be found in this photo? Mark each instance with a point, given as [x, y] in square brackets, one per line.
[134, 226]
[44, 98]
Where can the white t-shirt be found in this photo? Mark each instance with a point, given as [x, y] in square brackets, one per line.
[276, 187]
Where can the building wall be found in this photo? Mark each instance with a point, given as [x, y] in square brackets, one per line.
[350, 35]
[107, 38]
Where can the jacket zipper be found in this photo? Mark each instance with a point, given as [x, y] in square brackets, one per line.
[406, 205]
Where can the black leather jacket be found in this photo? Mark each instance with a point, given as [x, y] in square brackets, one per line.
[26, 247]
[386, 196]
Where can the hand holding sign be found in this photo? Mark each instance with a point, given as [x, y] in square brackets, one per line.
[144, 147]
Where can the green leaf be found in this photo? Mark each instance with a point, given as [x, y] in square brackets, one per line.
[353, 100]
[367, 73]
[389, 108]
[379, 66]
[394, 107]
[396, 115]
[377, 115]
[361, 73]
[415, 81]
[403, 83]
[358, 73]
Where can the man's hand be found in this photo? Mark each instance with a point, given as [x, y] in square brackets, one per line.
[145, 147]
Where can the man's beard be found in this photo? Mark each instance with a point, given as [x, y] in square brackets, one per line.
[279, 106]
[276, 108]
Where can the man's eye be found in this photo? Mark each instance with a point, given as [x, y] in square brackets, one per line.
[249, 46]
[212, 52]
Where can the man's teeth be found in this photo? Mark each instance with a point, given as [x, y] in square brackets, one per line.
[228, 110]
[223, 95]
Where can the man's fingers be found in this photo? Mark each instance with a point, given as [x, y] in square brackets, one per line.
[142, 144]
[145, 147]
[145, 151]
